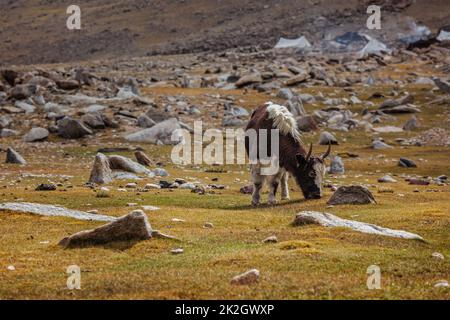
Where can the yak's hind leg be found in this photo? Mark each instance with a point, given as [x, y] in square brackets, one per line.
[285, 186]
[258, 182]
[274, 182]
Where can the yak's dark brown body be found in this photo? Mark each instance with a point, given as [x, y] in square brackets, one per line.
[307, 169]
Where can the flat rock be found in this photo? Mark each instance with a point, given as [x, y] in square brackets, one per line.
[380, 145]
[386, 179]
[337, 166]
[52, 211]
[132, 227]
[248, 79]
[351, 195]
[329, 220]
[14, 157]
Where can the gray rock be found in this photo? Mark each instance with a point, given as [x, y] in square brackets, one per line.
[337, 166]
[101, 172]
[306, 124]
[93, 120]
[329, 220]
[380, 145]
[160, 133]
[351, 195]
[327, 138]
[5, 133]
[145, 121]
[68, 84]
[246, 278]
[130, 228]
[14, 157]
[285, 93]
[23, 91]
[411, 124]
[406, 163]
[143, 159]
[128, 165]
[52, 211]
[36, 134]
[69, 128]
[444, 86]
[248, 79]
[386, 179]
[28, 108]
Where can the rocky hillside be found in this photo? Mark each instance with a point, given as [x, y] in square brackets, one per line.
[34, 31]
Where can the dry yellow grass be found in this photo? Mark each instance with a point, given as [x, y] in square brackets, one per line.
[309, 262]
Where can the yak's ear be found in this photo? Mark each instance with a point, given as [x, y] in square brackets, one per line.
[301, 160]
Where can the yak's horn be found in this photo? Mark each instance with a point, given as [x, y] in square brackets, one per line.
[326, 154]
[309, 152]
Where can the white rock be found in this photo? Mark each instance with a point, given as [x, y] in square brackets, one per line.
[246, 278]
[329, 220]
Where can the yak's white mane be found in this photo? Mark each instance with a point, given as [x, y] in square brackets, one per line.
[283, 120]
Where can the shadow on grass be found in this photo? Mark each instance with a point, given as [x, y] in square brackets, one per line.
[264, 205]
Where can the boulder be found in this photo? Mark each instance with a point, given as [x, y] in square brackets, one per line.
[386, 179]
[143, 159]
[5, 133]
[297, 79]
[380, 145]
[132, 227]
[351, 195]
[10, 76]
[101, 172]
[13, 156]
[329, 220]
[161, 133]
[69, 128]
[36, 134]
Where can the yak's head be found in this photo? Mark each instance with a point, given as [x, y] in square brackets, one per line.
[310, 172]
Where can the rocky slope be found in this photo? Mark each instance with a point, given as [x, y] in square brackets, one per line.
[34, 31]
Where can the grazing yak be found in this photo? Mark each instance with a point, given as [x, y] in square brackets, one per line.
[307, 169]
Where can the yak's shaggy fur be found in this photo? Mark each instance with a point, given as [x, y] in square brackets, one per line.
[283, 120]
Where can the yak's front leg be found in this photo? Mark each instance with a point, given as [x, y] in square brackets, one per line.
[274, 182]
[258, 182]
[285, 186]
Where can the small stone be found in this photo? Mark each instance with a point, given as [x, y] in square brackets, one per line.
[177, 251]
[46, 187]
[387, 178]
[438, 255]
[406, 163]
[441, 284]
[380, 145]
[131, 185]
[208, 225]
[11, 268]
[419, 182]
[337, 166]
[14, 157]
[271, 239]
[351, 195]
[327, 138]
[246, 189]
[246, 278]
